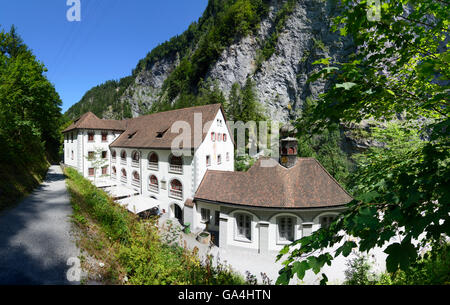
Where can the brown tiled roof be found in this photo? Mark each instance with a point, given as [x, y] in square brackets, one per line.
[91, 121]
[305, 185]
[141, 132]
[189, 203]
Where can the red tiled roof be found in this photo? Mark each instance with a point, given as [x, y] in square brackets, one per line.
[141, 132]
[91, 121]
[305, 185]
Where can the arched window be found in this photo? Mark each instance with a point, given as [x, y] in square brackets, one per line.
[284, 151]
[114, 171]
[124, 173]
[176, 189]
[326, 220]
[213, 136]
[113, 154]
[244, 226]
[153, 161]
[285, 228]
[123, 157]
[135, 157]
[224, 137]
[153, 184]
[175, 164]
[292, 151]
[136, 178]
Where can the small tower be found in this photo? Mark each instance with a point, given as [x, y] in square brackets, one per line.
[288, 146]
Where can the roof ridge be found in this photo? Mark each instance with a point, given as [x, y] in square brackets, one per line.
[332, 178]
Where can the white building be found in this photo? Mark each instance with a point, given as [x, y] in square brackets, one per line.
[138, 152]
[260, 210]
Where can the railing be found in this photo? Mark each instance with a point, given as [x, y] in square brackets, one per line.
[123, 179]
[176, 169]
[135, 163]
[176, 193]
[153, 165]
[113, 159]
[123, 161]
[113, 176]
[136, 182]
[153, 188]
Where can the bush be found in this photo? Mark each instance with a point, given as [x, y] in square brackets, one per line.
[137, 248]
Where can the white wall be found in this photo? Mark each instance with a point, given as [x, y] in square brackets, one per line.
[214, 148]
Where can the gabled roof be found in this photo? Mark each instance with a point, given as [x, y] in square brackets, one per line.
[154, 130]
[305, 185]
[91, 121]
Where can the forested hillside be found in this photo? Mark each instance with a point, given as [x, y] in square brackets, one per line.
[30, 119]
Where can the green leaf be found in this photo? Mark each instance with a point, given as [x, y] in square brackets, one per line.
[346, 85]
[400, 256]
[300, 268]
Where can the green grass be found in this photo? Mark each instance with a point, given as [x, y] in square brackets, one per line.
[133, 248]
[18, 180]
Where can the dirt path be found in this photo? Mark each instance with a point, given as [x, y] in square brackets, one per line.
[35, 238]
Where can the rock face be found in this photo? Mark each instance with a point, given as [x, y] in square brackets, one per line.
[281, 80]
[147, 85]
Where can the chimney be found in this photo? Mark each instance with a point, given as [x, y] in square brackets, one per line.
[288, 146]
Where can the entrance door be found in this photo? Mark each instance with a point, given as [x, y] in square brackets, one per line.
[178, 213]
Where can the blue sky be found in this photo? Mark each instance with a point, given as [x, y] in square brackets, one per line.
[108, 42]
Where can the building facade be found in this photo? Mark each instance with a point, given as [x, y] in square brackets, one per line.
[139, 154]
[184, 159]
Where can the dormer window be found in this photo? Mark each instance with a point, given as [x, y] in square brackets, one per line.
[104, 137]
[130, 135]
[160, 133]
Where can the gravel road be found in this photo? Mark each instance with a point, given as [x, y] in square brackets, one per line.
[35, 236]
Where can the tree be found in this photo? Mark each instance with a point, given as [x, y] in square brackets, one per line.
[400, 69]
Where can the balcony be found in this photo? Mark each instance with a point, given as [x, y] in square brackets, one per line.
[135, 163]
[176, 169]
[153, 188]
[136, 182]
[178, 194]
[153, 166]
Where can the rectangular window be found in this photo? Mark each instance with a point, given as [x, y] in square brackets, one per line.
[219, 159]
[213, 136]
[205, 214]
[208, 160]
[228, 156]
[91, 172]
[90, 155]
[104, 137]
[91, 137]
[105, 170]
[286, 229]
[104, 154]
[244, 226]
